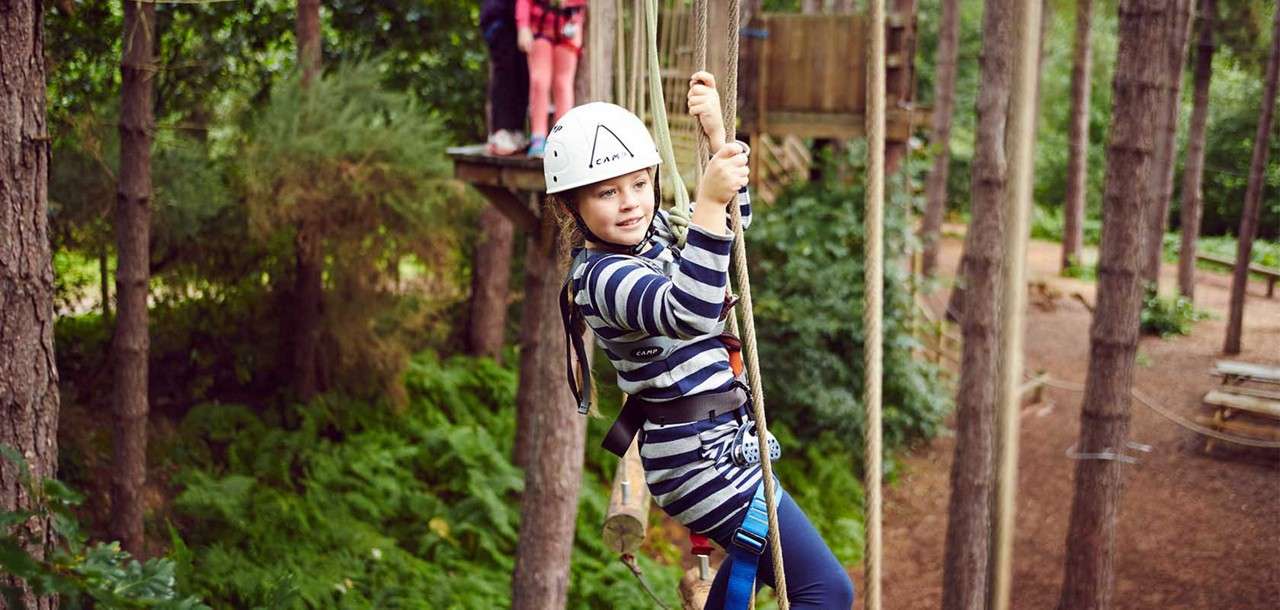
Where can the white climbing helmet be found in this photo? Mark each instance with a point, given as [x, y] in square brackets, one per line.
[595, 142]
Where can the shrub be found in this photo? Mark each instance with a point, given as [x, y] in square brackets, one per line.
[807, 262]
[1169, 316]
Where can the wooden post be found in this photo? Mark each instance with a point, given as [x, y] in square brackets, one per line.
[627, 518]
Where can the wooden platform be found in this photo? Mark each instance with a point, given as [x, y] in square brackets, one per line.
[512, 183]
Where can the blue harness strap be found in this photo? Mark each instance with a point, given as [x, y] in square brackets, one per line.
[748, 544]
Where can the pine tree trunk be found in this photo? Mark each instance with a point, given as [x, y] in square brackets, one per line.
[1174, 52]
[550, 436]
[1193, 171]
[594, 79]
[104, 284]
[131, 343]
[1253, 195]
[944, 101]
[967, 561]
[490, 283]
[307, 312]
[1104, 418]
[308, 279]
[1078, 136]
[29, 392]
[307, 32]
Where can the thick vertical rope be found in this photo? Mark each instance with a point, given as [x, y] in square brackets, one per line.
[1013, 296]
[700, 63]
[680, 213]
[743, 281]
[873, 311]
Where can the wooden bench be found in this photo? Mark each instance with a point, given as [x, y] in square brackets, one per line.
[1231, 399]
[1267, 273]
[1234, 373]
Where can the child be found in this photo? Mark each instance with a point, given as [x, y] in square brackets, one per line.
[508, 78]
[658, 312]
[550, 33]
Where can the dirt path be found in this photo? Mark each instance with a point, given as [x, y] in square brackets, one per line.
[1195, 531]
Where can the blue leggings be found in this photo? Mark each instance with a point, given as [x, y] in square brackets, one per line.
[815, 579]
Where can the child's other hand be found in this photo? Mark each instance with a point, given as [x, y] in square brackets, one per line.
[704, 103]
[725, 175]
[524, 39]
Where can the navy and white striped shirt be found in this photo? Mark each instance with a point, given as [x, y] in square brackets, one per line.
[624, 298]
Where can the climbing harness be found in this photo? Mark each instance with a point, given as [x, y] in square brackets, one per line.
[555, 22]
[748, 544]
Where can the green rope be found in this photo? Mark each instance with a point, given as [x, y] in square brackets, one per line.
[681, 213]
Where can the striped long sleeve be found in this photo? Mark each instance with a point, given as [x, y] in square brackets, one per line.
[625, 295]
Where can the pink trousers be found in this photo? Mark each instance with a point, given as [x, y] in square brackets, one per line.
[551, 72]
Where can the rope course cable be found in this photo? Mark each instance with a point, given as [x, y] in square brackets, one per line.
[1146, 401]
[872, 313]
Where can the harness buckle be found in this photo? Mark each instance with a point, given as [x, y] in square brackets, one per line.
[749, 541]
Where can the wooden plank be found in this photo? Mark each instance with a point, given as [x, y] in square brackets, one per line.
[1247, 371]
[1253, 404]
[1242, 428]
[1247, 391]
[1227, 262]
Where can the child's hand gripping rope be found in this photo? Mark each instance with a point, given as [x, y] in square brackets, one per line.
[704, 103]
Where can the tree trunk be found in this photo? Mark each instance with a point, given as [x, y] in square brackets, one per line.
[1078, 136]
[104, 284]
[594, 79]
[1174, 52]
[550, 436]
[308, 279]
[1253, 195]
[131, 343]
[967, 561]
[307, 31]
[490, 281]
[1104, 418]
[900, 42]
[944, 100]
[1193, 171]
[307, 312]
[29, 393]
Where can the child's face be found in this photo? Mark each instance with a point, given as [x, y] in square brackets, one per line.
[618, 210]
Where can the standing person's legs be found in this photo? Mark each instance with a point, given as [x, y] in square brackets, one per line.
[540, 66]
[815, 578]
[509, 79]
[566, 67]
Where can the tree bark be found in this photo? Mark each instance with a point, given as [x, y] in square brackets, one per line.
[490, 283]
[307, 312]
[900, 42]
[1078, 136]
[29, 391]
[1253, 195]
[1193, 171]
[967, 562]
[1127, 197]
[307, 31]
[594, 79]
[131, 343]
[944, 100]
[308, 279]
[1174, 53]
[550, 436]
